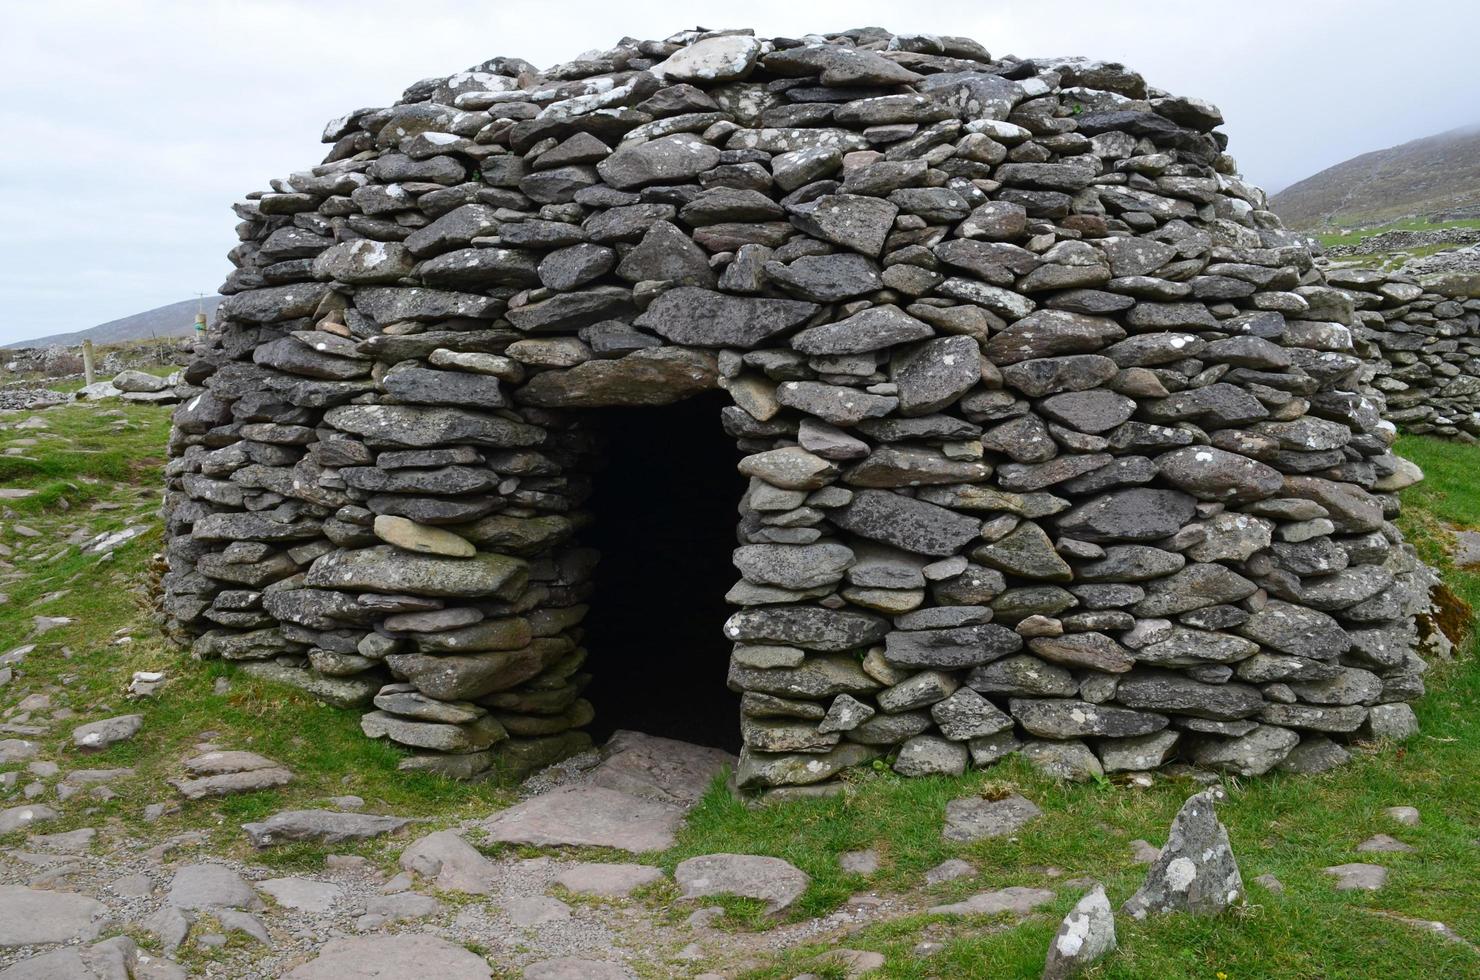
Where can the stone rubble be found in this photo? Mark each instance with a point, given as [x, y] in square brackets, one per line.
[1057, 441]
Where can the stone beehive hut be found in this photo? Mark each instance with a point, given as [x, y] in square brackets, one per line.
[1054, 440]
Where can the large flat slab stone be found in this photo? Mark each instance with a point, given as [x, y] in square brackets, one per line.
[386, 957]
[32, 917]
[588, 816]
[661, 769]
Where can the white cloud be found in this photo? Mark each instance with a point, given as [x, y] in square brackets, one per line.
[130, 126]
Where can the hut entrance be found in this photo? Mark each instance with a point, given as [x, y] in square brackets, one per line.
[665, 516]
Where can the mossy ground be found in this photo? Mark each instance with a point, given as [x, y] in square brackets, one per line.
[1288, 826]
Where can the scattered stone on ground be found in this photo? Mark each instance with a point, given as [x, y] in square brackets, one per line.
[404, 955]
[219, 773]
[1358, 877]
[772, 880]
[1385, 844]
[974, 818]
[1270, 883]
[607, 880]
[1086, 935]
[1196, 871]
[587, 816]
[323, 826]
[1405, 815]
[98, 735]
[1015, 899]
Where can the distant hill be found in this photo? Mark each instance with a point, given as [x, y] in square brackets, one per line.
[174, 320]
[1418, 178]
[1414, 179]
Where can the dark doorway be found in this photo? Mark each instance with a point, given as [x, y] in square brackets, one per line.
[665, 516]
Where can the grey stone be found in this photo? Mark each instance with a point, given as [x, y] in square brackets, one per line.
[1016, 900]
[849, 220]
[1064, 718]
[1086, 936]
[1253, 754]
[768, 879]
[973, 818]
[935, 373]
[405, 954]
[575, 968]
[98, 735]
[703, 318]
[872, 329]
[1358, 877]
[587, 816]
[303, 894]
[607, 880]
[1072, 761]
[1131, 515]
[322, 826]
[34, 917]
[913, 525]
[211, 886]
[668, 159]
[1196, 871]
[928, 755]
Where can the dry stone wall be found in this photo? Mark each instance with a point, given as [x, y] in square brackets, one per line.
[1057, 442]
[1424, 346]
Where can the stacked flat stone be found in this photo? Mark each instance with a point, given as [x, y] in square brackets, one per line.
[1057, 442]
[1426, 353]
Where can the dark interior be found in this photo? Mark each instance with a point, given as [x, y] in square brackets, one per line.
[664, 507]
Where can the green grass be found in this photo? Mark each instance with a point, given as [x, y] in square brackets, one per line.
[1285, 825]
[1359, 235]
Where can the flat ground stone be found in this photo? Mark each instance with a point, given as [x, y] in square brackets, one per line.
[1408, 816]
[1196, 871]
[324, 826]
[208, 886]
[607, 880]
[1016, 900]
[98, 735]
[33, 917]
[227, 773]
[1384, 844]
[662, 769]
[20, 817]
[973, 818]
[384, 957]
[949, 870]
[450, 863]
[772, 880]
[859, 862]
[399, 907]
[587, 816]
[302, 894]
[1086, 935]
[574, 968]
[1358, 877]
[536, 910]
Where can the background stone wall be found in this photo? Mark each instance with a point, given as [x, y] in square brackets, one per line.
[1424, 345]
[1057, 442]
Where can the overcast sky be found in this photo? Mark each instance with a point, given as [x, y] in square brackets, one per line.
[130, 126]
